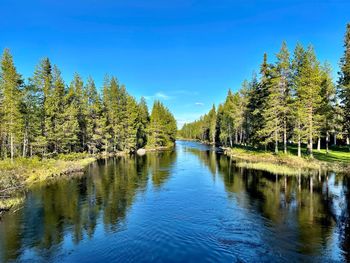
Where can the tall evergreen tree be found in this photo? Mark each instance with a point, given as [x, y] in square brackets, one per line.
[12, 121]
[344, 81]
[144, 121]
[94, 122]
[43, 84]
[56, 112]
[308, 96]
[282, 79]
[162, 128]
[327, 108]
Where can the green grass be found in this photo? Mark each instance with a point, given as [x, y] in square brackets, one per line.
[18, 175]
[335, 154]
[338, 159]
[269, 167]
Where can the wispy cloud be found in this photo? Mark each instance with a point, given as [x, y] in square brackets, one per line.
[199, 104]
[185, 92]
[158, 95]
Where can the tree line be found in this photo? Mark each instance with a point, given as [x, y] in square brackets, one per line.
[293, 100]
[43, 116]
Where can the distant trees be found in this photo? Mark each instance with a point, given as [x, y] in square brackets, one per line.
[45, 117]
[162, 127]
[294, 100]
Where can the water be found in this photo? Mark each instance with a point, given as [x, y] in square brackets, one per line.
[188, 205]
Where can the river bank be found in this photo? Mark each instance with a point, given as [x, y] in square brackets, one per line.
[290, 164]
[16, 177]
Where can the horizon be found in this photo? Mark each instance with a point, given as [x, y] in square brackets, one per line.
[185, 53]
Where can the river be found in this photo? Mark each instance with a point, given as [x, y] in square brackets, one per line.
[191, 204]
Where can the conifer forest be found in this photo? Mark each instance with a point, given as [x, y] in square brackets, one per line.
[294, 100]
[44, 116]
[224, 138]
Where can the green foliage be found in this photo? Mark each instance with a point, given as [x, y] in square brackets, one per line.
[11, 100]
[45, 118]
[162, 127]
[344, 80]
[294, 101]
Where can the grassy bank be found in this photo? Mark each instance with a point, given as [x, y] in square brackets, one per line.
[17, 176]
[337, 160]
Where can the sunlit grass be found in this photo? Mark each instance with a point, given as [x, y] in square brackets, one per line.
[337, 160]
[23, 172]
[269, 167]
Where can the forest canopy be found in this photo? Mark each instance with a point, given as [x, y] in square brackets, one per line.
[292, 100]
[44, 116]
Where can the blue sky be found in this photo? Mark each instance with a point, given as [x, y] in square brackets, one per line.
[186, 53]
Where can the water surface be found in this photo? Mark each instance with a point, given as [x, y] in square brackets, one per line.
[188, 205]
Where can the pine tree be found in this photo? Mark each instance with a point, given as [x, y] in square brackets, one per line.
[144, 122]
[212, 125]
[298, 112]
[12, 121]
[94, 122]
[162, 128]
[55, 131]
[327, 108]
[273, 120]
[132, 111]
[43, 83]
[282, 79]
[344, 81]
[106, 124]
[308, 96]
[70, 127]
[31, 119]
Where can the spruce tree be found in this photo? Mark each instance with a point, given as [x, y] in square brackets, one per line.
[282, 79]
[55, 131]
[132, 124]
[144, 122]
[94, 122]
[42, 80]
[12, 121]
[308, 96]
[162, 128]
[31, 119]
[344, 81]
[327, 108]
[70, 127]
[273, 121]
[212, 125]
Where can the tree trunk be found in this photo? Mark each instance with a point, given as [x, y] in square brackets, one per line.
[335, 139]
[299, 147]
[319, 144]
[12, 148]
[25, 145]
[285, 138]
[311, 146]
[311, 143]
[347, 140]
[241, 136]
[276, 142]
[327, 142]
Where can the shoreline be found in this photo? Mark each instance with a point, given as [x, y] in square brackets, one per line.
[17, 177]
[286, 164]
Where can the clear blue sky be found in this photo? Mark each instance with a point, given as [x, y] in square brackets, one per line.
[186, 53]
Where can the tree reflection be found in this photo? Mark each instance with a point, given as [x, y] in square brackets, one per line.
[302, 204]
[75, 206]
